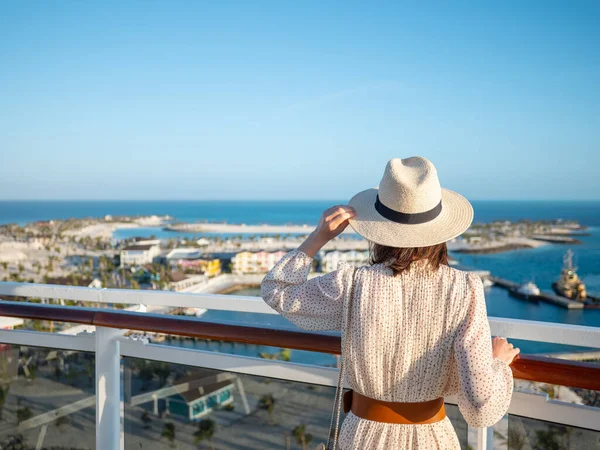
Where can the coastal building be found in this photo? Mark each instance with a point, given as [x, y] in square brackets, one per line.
[191, 260]
[205, 394]
[183, 254]
[202, 242]
[75, 281]
[139, 254]
[178, 281]
[331, 260]
[209, 267]
[255, 262]
[243, 262]
[144, 241]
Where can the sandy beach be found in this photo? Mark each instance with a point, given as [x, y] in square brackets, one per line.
[105, 229]
[100, 230]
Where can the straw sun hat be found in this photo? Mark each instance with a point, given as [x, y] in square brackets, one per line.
[410, 208]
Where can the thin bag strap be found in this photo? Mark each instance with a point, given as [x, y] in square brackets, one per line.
[335, 415]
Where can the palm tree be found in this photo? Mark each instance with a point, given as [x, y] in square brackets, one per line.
[206, 430]
[5, 266]
[3, 396]
[57, 371]
[267, 402]
[168, 432]
[146, 419]
[301, 436]
[553, 437]
[516, 439]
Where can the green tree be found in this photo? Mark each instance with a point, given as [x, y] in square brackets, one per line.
[516, 440]
[206, 430]
[23, 414]
[14, 442]
[57, 371]
[146, 419]
[554, 437]
[3, 396]
[162, 370]
[90, 371]
[5, 266]
[267, 402]
[63, 420]
[301, 436]
[168, 432]
[72, 375]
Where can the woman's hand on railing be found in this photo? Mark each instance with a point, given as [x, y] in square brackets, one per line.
[503, 350]
[333, 221]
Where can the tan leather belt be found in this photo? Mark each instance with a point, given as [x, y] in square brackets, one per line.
[392, 412]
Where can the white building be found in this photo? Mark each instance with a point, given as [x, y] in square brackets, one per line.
[331, 260]
[9, 323]
[139, 254]
[145, 241]
[203, 242]
[255, 262]
[185, 253]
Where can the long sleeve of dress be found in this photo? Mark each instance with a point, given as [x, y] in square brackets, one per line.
[314, 304]
[485, 383]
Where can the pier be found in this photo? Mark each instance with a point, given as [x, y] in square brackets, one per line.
[544, 296]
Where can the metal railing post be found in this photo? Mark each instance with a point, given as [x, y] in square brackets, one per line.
[485, 438]
[481, 439]
[108, 389]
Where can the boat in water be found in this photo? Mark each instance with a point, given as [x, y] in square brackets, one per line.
[569, 285]
[198, 312]
[527, 291]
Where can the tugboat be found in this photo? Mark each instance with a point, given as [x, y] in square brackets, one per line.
[569, 285]
[527, 291]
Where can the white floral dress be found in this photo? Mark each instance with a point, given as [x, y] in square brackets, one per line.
[414, 337]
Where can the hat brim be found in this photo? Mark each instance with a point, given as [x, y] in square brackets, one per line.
[454, 219]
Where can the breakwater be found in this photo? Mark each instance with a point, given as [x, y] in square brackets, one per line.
[543, 296]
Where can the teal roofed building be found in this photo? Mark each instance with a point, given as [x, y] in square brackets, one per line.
[205, 395]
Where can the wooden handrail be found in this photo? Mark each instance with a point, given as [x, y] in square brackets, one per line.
[533, 368]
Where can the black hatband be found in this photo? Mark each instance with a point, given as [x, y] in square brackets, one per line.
[407, 219]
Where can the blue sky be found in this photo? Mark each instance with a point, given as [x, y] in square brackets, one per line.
[297, 100]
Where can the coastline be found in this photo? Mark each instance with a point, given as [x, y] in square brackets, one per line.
[498, 246]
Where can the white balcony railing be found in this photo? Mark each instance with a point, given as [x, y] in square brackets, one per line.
[109, 345]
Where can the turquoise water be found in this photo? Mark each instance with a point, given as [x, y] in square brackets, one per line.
[542, 264]
[274, 212]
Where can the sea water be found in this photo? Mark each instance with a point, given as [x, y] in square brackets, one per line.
[542, 265]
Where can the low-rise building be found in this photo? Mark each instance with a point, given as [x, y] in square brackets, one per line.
[137, 240]
[331, 260]
[190, 260]
[139, 254]
[179, 281]
[209, 267]
[183, 253]
[255, 262]
[205, 394]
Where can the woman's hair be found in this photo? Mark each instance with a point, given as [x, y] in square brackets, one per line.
[400, 259]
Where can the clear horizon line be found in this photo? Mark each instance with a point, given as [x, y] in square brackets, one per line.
[268, 200]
